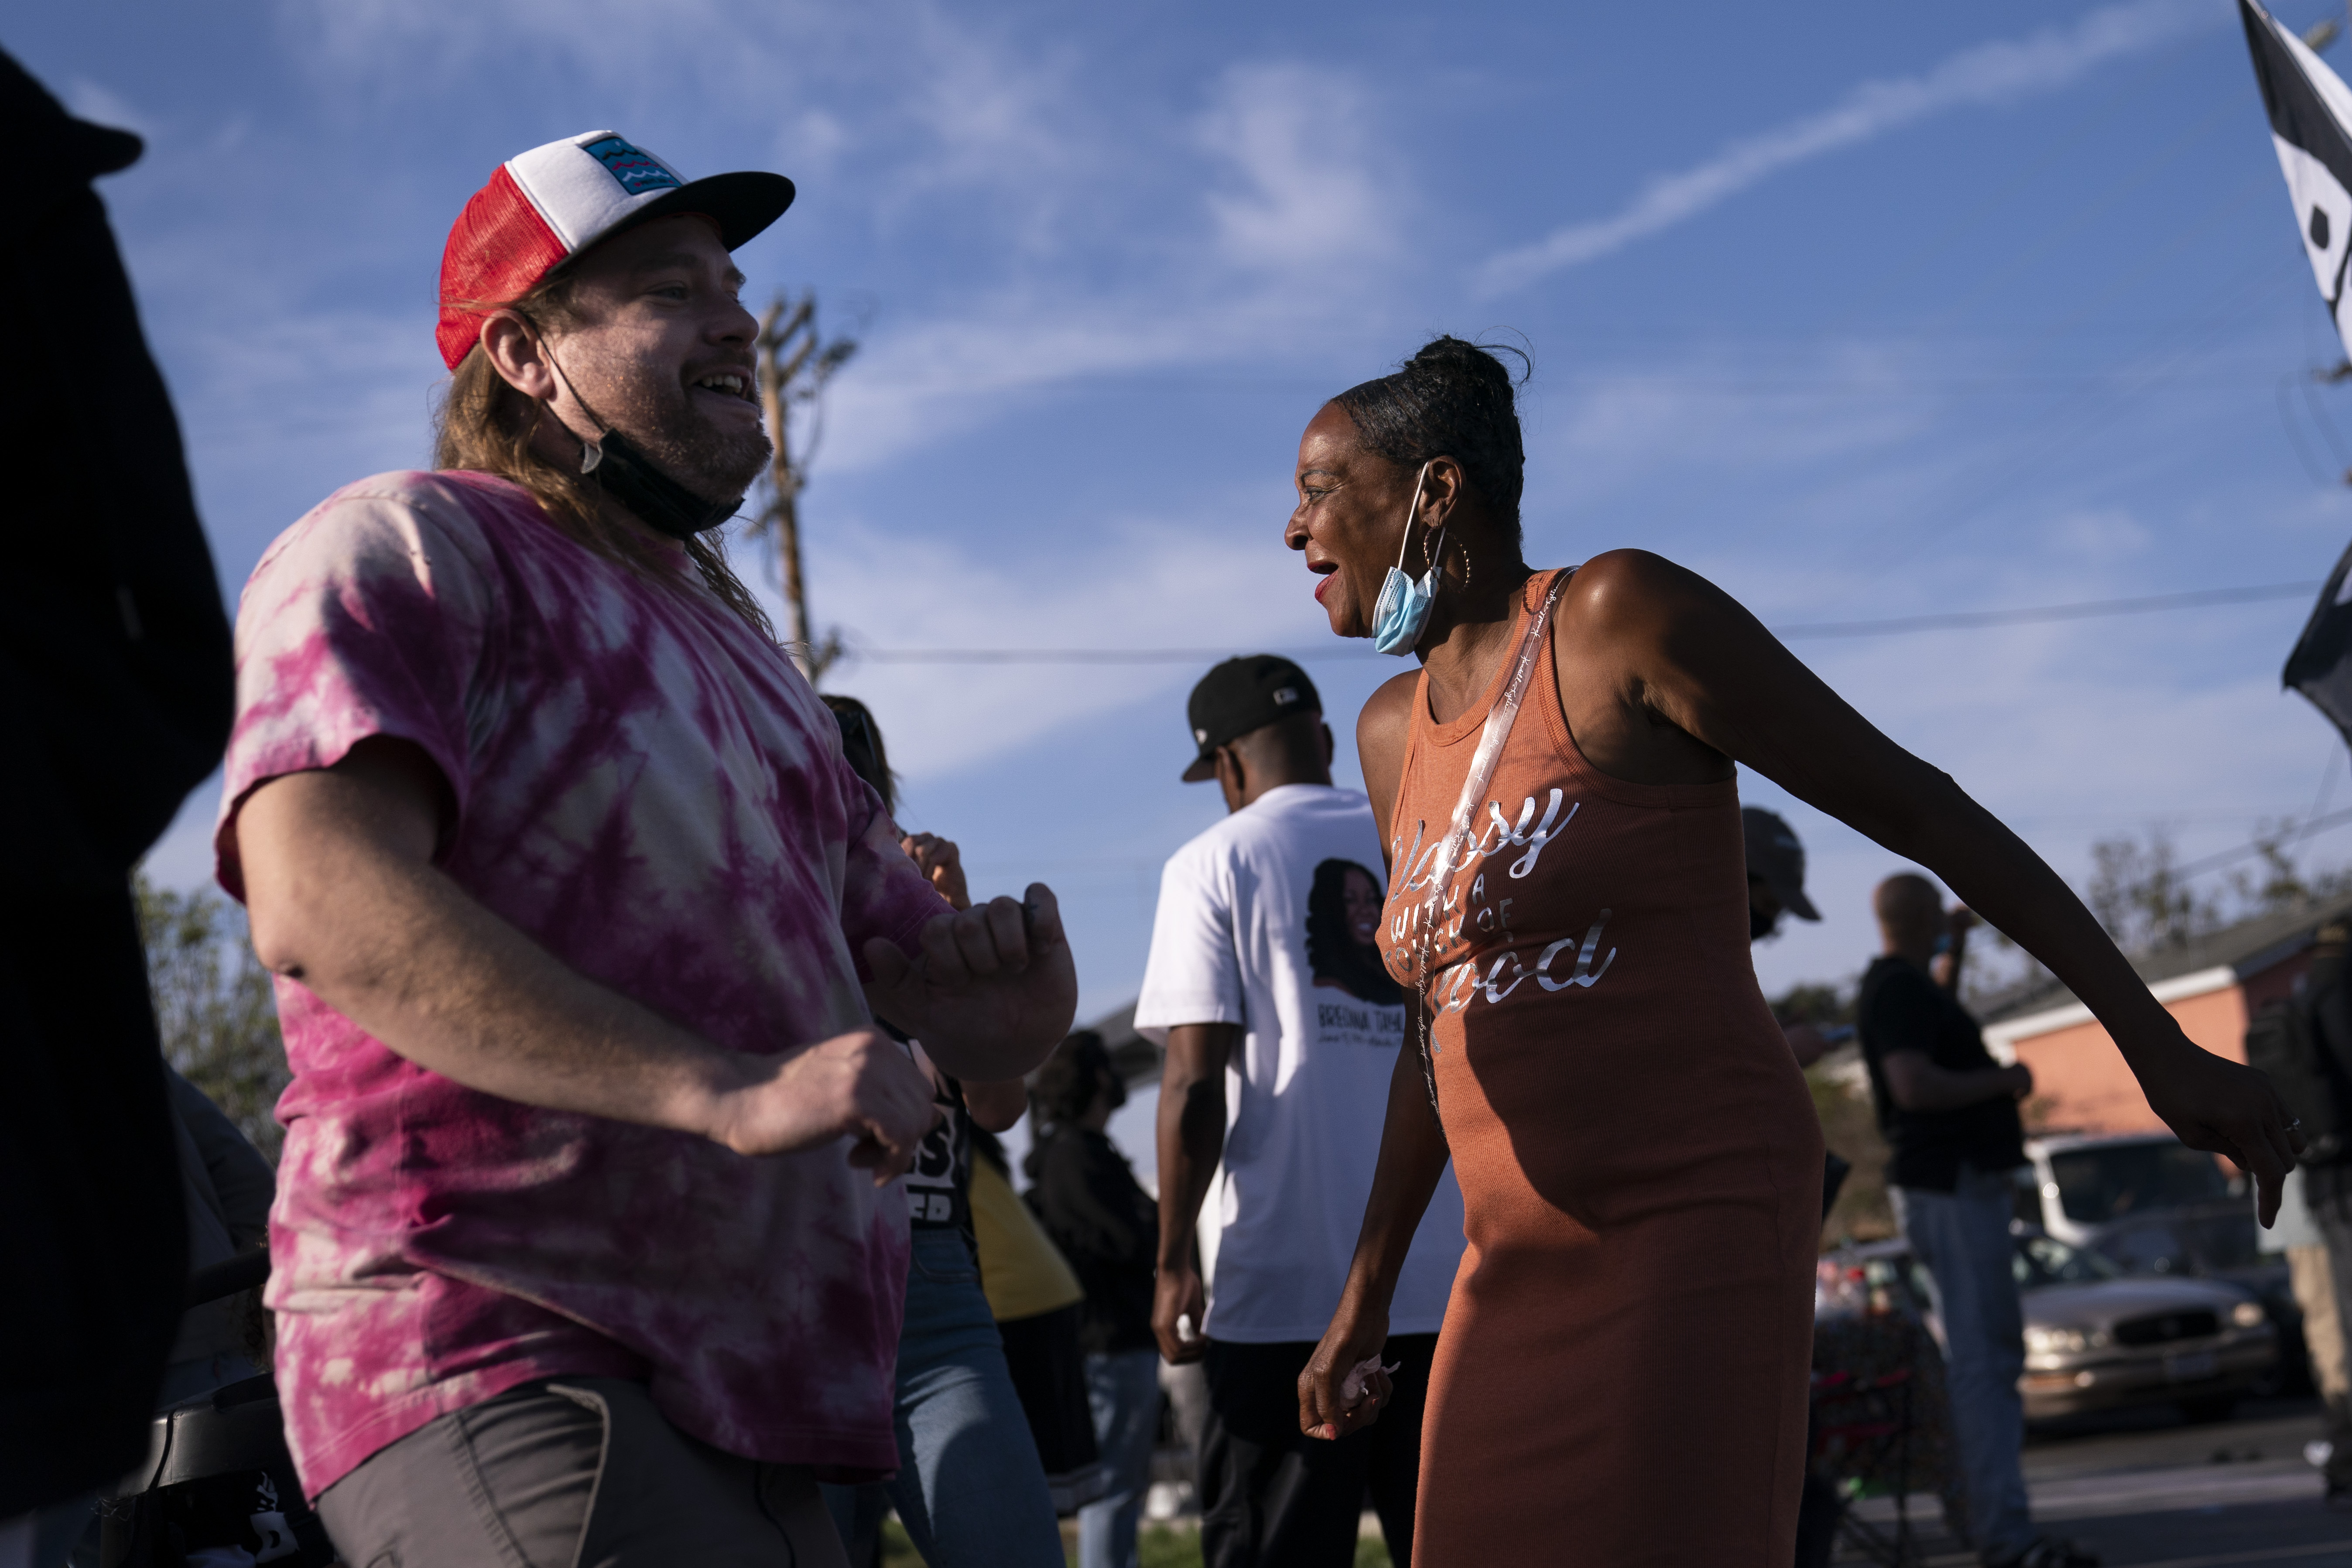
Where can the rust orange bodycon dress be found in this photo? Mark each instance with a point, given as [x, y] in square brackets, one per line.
[1622, 1373]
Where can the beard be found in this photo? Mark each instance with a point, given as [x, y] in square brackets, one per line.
[655, 412]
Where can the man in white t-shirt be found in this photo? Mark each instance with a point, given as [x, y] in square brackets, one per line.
[1281, 1029]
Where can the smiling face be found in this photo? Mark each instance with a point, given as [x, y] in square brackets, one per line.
[1362, 902]
[1350, 518]
[660, 348]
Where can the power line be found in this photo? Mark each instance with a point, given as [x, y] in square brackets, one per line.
[2088, 610]
[1949, 621]
[2203, 864]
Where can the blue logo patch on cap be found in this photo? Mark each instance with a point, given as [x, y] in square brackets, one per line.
[636, 171]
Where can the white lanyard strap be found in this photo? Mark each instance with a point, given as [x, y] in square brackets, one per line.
[1492, 736]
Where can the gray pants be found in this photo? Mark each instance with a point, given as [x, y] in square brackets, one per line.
[1962, 1237]
[2331, 1210]
[573, 1473]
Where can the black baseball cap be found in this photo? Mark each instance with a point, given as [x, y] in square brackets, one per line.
[1775, 855]
[1241, 695]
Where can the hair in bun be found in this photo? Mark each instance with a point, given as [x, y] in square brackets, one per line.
[1453, 399]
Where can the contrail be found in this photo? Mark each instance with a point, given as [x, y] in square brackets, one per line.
[1985, 73]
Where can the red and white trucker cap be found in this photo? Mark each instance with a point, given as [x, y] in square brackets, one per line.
[547, 205]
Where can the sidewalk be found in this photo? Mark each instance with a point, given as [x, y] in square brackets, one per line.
[2230, 1496]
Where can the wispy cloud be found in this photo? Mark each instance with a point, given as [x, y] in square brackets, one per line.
[1297, 138]
[1280, 241]
[1217, 576]
[915, 100]
[921, 381]
[1988, 73]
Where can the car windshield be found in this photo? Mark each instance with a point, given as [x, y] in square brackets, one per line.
[2098, 1184]
[2042, 1261]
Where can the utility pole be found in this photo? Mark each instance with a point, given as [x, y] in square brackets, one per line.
[795, 362]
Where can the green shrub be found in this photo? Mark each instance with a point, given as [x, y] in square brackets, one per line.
[214, 1010]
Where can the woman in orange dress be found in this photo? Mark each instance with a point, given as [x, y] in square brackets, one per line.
[1621, 1376]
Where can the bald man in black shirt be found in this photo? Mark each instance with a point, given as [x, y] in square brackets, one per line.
[1950, 1114]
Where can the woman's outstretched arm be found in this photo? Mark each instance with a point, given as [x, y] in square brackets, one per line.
[1697, 661]
[1412, 1157]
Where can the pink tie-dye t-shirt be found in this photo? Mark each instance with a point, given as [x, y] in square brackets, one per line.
[647, 788]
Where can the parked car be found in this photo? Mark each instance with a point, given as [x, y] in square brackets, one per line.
[2152, 1205]
[2096, 1338]
[2146, 1201]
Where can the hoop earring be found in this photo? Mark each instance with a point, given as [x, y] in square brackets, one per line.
[1430, 559]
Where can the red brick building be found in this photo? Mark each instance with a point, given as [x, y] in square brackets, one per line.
[2212, 985]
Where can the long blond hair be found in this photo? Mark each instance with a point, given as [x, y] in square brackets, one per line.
[485, 423]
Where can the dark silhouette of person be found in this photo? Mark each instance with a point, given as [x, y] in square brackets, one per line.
[1343, 930]
[116, 694]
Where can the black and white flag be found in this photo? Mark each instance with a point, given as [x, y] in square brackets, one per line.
[2321, 665]
[2310, 126]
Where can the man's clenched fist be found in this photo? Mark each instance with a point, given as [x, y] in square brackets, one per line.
[863, 1086]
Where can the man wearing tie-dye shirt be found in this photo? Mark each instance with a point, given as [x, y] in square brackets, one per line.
[580, 1252]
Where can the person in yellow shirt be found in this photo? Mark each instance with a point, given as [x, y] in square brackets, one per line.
[1036, 1300]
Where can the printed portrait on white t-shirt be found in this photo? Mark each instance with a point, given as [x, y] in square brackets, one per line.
[1357, 1002]
[1270, 920]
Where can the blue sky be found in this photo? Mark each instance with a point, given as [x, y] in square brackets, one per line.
[1862, 310]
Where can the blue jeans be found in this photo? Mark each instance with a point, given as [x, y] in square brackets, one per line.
[1123, 1389]
[970, 1489]
[1962, 1238]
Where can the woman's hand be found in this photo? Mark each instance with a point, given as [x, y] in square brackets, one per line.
[1355, 1336]
[2224, 1108]
[942, 862]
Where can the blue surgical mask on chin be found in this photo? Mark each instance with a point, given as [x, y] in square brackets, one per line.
[1403, 609]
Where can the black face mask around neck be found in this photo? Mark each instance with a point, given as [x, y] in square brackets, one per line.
[631, 478]
[660, 501]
